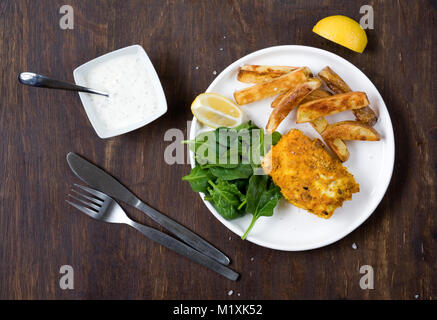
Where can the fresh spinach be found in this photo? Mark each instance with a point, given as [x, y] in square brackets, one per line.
[226, 160]
[276, 136]
[262, 197]
[247, 125]
[241, 184]
[226, 198]
[210, 149]
[198, 179]
[242, 171]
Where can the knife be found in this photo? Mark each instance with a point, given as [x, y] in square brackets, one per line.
[102, 181]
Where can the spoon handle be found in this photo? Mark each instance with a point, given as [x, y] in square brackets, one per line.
[38, 80]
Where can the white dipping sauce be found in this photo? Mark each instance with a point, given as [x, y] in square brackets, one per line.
[132, 96]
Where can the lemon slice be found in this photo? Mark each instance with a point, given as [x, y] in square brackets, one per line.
[342, 30]
[216, 111]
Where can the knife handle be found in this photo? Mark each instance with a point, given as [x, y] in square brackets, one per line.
[184, 234]
[181, 248]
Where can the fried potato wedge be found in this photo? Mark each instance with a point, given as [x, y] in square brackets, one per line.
[339, 148]
[260, 73]
[268, 69]
[351, 130]
[270, 88]
[316, 94]
[320, 124]
[336, 145]
[337, 85]
[366, 115]
[289, 101]
[312, 110]
[333, 81]
[277, 100]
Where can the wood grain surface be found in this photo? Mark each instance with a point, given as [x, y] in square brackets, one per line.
[39, 232]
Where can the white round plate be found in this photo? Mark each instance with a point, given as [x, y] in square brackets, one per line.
[371, 163]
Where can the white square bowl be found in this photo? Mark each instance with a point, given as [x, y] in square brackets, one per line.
[80, 75]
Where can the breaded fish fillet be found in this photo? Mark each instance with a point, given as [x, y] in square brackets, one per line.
[309, 177]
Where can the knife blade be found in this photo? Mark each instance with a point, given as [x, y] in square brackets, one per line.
[104, 182]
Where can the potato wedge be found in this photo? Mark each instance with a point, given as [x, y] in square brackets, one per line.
[270, 88]
[320, 124]
[337, 85]
[259, 74]
[339, 148]
[316, 94]
[366, 115]
[331, 105]
[351, 130]
[333, 81]
[289, 101]
[267, 69]
[277, 100]
[336, 145]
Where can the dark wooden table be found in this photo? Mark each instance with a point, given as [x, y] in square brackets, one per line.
[39, 232]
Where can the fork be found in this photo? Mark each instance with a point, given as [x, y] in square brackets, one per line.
[101, 207]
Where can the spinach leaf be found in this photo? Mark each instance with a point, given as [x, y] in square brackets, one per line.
[262, 197]
[226, 198]
[227, 162]
[205, 148]
[242, 171]
[226, 136]
[241, 184]
[211, 151]
[276, 136]
[257, 146]
[198, 141]
[271, 140]
[198, 179]
[248, 125]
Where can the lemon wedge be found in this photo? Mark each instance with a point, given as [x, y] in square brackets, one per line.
[342, 30]
[215, 111]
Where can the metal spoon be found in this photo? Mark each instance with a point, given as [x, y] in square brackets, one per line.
[38, 80]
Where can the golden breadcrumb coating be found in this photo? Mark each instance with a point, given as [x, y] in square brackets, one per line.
[309, 177]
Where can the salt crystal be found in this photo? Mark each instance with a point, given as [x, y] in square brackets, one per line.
[230, 292]
[416, 296]
[197, 67]
[230, 238]
[214, 72]
[354, 246]
[221, 49]
[251, 259]
[238, 294]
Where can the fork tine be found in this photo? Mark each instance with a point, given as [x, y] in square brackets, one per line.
[85, 210]
[94, 192]
[94, 200]
[89, 204]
